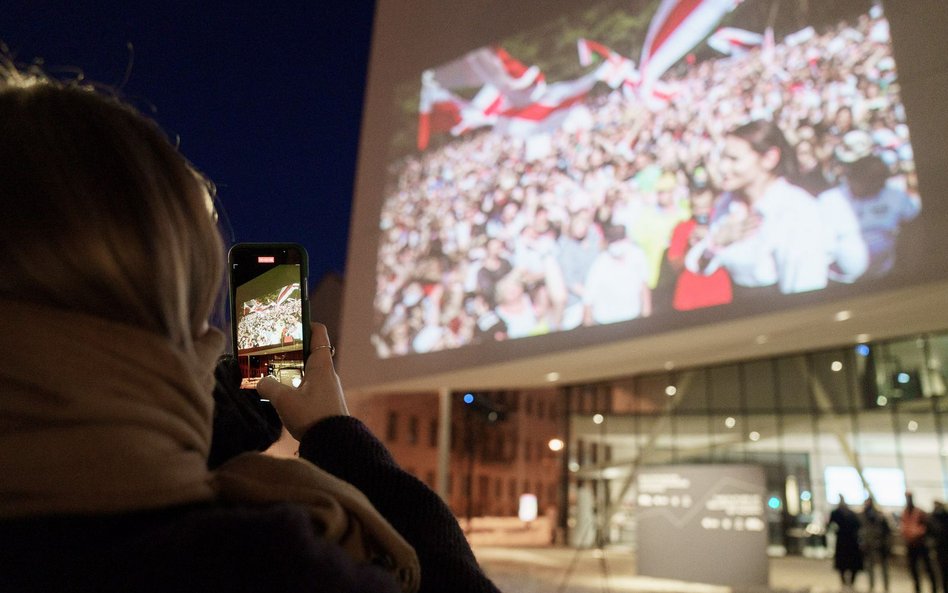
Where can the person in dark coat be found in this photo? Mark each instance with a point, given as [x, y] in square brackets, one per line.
[938, 526]
[111, 264]
[848, 556]
[875, 538]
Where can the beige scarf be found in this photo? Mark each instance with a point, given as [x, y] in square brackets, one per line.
[98, 417]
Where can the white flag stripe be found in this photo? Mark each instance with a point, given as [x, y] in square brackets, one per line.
[685, 35]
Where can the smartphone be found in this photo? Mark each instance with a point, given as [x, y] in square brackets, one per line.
[269, 306]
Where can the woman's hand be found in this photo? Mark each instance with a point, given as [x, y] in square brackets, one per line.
[735, 228]
[318, 396]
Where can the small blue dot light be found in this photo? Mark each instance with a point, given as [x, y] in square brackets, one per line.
[774, 503]
[862, 350]
[904, 378]
[469, 398]
[806, 495]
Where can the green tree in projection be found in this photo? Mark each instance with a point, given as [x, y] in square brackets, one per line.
[621, 25]
[550, 45]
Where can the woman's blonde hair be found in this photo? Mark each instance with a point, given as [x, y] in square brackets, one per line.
[102, 214]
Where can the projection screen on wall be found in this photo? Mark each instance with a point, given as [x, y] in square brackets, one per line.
[623, 168]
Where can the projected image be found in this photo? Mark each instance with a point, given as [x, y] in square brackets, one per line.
[269, 316]
[704, 154]
[274, 319]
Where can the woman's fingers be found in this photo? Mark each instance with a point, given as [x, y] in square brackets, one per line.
[320, 394]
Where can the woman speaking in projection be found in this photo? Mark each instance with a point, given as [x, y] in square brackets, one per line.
[765, 231]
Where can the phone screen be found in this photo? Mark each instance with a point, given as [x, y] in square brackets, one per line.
[269, 306]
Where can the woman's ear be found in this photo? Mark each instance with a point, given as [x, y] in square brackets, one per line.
[771, 158]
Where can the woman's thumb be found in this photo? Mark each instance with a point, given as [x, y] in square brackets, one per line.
[269, 388]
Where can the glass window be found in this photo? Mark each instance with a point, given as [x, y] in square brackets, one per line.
[761, 386]
[937, 355]
[623, 397]
[865, 381]
[658, 444]
[642, 395]
[583, 399]
[694, 438]
[919, 448]
[413, 430]
[829, 372]
[603, 401]
[651, 391]
[792, 382]
[815, 417]
[391, 428]
[832, 458]
[691, 389]
[900, 366]
[763, 438]
[724, 393]
[727, 432]
[876, 442]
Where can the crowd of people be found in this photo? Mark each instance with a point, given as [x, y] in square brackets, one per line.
[865, 541]
[270, 324]
[782, 170]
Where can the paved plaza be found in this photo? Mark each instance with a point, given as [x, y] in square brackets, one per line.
[565, 570]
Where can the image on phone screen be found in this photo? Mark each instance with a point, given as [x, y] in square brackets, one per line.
[268, 310]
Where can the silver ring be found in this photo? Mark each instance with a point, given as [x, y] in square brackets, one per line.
[332, 349]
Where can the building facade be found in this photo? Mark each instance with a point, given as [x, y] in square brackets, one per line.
[500, 445]
[863, 420]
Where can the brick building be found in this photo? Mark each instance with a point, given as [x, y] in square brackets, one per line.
[494, 458]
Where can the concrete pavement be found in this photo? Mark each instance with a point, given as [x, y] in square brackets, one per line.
[565, 570]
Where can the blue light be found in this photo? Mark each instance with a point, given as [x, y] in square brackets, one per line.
[806, 495]
[904, 378]
[774, 503]
[862, 350]
[469, 398]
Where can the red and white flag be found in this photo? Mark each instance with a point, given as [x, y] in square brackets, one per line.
[494, 66]
[676, 27]
[286, 291]
[503, 83]
[549, 111]
[482, 110]
[587, 48]
[615, 70]
[731, 41]
[511, 97]
[439, 110]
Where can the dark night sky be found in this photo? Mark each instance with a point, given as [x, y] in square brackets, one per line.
[266, 97]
